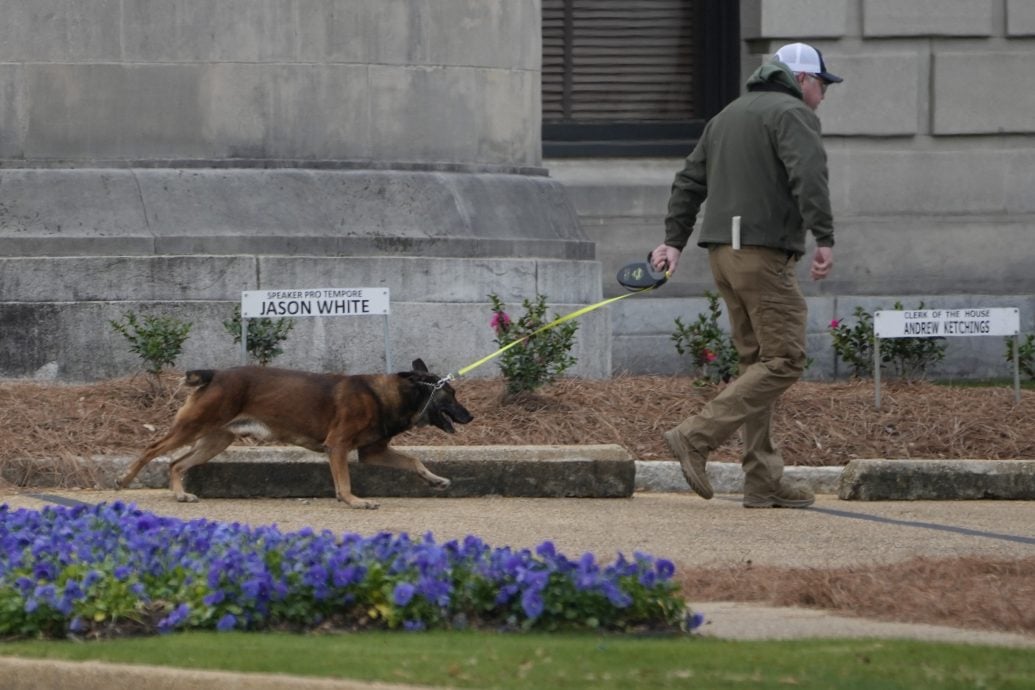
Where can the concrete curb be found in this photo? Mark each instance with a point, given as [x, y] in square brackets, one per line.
[727, 477]
[936, 480]
[590, 471]
[599, 471]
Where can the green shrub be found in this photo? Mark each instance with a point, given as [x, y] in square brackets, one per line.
[541, 356]
[854, 346]
[158, 340]
[712, 354]
[908, 358]
[1025, 355]
[264, 335]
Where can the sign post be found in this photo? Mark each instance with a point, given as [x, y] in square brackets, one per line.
[939, 323]
[314, 302]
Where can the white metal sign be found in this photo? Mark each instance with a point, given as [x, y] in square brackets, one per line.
[938, 323]
[257, 304]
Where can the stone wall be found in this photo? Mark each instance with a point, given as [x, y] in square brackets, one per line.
[162, 156]
[385, 80]
[931, 141]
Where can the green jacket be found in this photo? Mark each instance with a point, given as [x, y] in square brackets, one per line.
[762, 159]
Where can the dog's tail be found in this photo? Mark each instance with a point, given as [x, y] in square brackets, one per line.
[199, 377]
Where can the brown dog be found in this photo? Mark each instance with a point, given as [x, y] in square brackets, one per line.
[331, 413]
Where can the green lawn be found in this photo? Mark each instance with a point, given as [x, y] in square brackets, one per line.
[491, 660]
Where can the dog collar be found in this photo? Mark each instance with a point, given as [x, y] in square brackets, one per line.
[435, 387]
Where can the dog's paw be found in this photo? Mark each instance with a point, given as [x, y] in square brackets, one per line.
[186, 498]
[358, 503]
[435, 481]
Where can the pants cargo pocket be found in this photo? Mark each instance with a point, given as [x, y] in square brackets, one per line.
[781, 331]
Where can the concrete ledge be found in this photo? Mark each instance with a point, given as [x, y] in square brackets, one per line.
[727, 477]
[934, 480]
[600, 471]
[533, 471]
[591, 471]
[284, 212]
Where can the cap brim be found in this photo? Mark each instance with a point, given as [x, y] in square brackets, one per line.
[830, 78]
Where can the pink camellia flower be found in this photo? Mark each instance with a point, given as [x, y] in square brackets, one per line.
[500, 321]
[709, 356]
[835, 323]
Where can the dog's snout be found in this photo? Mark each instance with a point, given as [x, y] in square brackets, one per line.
[457, 412]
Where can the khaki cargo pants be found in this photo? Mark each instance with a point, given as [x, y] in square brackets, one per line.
[767, 316]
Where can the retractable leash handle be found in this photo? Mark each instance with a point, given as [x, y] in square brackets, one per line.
[640, 276]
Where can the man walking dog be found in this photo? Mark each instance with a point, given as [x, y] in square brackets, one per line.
[762, 167]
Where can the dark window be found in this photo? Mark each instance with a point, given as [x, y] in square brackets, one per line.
[635, 77]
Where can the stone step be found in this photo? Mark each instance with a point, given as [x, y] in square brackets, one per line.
[597, 471]
[937, 480]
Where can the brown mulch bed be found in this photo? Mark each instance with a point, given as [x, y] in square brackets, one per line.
[815, 424]
[968, 592]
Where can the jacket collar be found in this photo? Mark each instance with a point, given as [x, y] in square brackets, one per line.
[775, 76]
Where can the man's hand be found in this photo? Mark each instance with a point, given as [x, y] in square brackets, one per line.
[822, 262]
[665, 258]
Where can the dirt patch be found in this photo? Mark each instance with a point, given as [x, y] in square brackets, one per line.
[815, 424]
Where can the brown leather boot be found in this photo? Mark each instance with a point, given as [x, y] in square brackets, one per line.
[784, 496]
[694, 464]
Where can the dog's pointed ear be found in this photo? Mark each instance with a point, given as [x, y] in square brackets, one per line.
[418, 365]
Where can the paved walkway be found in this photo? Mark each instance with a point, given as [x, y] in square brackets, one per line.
[680, 527]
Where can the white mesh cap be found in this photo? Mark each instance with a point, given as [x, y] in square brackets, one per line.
[801, 57]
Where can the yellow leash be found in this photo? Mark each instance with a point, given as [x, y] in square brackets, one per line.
[567, 317]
